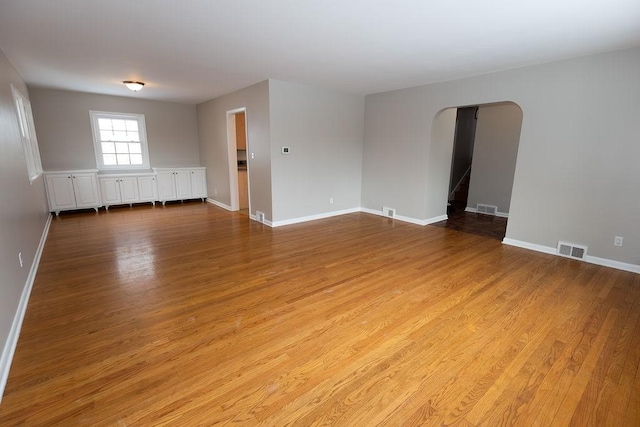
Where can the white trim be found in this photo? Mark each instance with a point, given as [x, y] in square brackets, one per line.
[12, 340]
[219, 204]
[633, 268]
[312, 217]
[232, 153]
[500, 214]
[406, 218]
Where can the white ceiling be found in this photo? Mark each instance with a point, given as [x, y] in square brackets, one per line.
[194, 50]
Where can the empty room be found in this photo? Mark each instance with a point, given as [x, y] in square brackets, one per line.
[316, 212]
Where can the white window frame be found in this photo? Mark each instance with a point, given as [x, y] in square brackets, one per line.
[27, 134]
[97, 142]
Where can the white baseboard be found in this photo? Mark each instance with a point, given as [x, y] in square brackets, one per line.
[12, 340]
[266, 221]
[474, 210]
[218, 204]
[312, 217]
[633, 268]
[406, 218]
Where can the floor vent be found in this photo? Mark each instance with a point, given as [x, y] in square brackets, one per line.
[260, 216]
[390, 212]
[571, 250]
[486, 209]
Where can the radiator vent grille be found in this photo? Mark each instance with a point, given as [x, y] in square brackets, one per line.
[486, 209]
[387, 211]
[572, 250]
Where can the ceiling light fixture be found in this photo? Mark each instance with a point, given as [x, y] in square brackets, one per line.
[134, 86]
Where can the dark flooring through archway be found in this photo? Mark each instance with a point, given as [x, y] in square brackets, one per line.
[494, 227]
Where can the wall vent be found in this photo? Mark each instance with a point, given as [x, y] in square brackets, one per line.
[572, 250]
[387, 211]
[486, 209]
[260, 216]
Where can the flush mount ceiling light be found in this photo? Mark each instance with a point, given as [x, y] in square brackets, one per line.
[134, 86]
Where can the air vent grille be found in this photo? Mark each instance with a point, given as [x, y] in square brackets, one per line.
[387, 211]
[572, 250]
[486, 209]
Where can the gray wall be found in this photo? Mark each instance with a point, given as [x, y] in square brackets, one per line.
[212, 129]
[577, 170]
[494, 155]
[64, 129]
[23, 212]
[324, 129]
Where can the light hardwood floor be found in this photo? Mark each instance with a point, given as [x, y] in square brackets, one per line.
[189, 315]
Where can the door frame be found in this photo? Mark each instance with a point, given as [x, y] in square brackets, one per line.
[233, 158]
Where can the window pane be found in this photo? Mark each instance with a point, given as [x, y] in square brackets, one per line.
[118, 124]
[106, 135]
[109, 159]
[134, 136]
[123, 159]
[120, 135]
[122, 147]
[104, 124]
[135, 147]
[132, 126]
[136, 159]
[108, 147]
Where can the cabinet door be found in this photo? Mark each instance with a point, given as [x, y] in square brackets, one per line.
[198, 183]
[241, 132]
[183, 184]
[166, 185]
[85, 188]
[129, 190]
[243, 190]
[110, 191]
[60, 192]
[147, 188]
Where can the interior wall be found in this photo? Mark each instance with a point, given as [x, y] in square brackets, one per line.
[23, 213]
[324, 130]
[494, 155]
[212, 129]
[576, 171]
[438, 174]
[64, 130]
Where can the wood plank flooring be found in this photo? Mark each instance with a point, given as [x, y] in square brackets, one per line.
[189, 315]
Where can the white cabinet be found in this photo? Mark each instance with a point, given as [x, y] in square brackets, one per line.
[67, 190]
[147, 189]
[199, 183]
[127, 189]
[181, 183]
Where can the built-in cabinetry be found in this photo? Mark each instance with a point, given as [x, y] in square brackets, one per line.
[68, 190]
[128, 188]
[181, 183]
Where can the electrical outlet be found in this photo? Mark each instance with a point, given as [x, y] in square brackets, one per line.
[215, 191]
[330, 200]
[20, 259]
[253, 156]
[617, 241]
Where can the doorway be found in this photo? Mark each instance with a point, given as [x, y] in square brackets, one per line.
[238, 162]
[483, 161]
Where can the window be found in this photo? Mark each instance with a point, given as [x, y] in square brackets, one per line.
[120, 140]
[27, 134]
